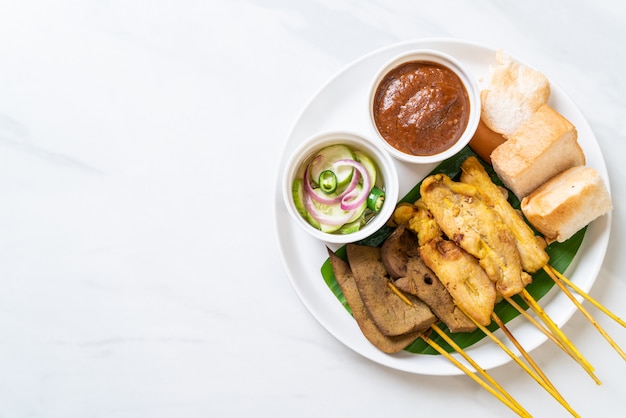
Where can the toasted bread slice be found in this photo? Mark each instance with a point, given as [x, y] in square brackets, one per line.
[542, 147]
[567, 202]
[514, 92]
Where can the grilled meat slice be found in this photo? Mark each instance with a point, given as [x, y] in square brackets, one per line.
[475, 227]
[392, 315]
[531, 247]
[461, 274]
[397, 249]
[359, 312]
[424, 283]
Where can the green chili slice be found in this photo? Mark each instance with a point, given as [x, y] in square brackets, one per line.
[328, 181]
[376, 199]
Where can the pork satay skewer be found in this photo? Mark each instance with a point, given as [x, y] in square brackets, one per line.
[586, 313]
[532, 254]
[475, 227]
[478, 229]
[443, 255]
[531, 247]
[467, 282]
[481, 241]
[421, 221]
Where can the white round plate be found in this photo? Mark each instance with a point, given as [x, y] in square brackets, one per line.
[341, 104]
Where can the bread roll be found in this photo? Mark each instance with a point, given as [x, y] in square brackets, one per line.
[543, 146]
[567, 202]
[513, 93]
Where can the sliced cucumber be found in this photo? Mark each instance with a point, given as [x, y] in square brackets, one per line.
[325, 159]
[351, 227]
[314, 222]
[297, 191]
[329, 229]
[333, 210]
[368, 163]
[357, 221]
[358, 216]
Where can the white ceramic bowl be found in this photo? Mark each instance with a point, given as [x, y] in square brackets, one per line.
[386, 172]
[470, 84]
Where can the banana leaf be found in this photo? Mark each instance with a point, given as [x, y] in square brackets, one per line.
[561, 255]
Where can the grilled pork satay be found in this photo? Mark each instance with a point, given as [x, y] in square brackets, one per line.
[467, 220]
[465, 279]
[423, 224]
[417, 218]
[466, 283]
[531, 247]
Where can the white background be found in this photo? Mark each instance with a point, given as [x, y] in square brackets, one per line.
[139, 147]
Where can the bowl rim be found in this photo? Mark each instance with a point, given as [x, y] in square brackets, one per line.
[447, 60]
[383, 160]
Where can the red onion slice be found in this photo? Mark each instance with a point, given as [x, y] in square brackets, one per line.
[325, 218]
[351, 200]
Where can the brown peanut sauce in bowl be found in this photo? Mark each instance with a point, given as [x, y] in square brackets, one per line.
[421, 108]
[424, 106]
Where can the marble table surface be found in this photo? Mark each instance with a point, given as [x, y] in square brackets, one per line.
[140, 143]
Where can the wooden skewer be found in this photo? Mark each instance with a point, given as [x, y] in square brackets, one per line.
[527, 356]
[586, 313]
[527, 297]
[531, 373]
[533, 321]
[507, 400]
[587, 297]
[514, 406]
[478, 369]
[397, 291]
[580, 360]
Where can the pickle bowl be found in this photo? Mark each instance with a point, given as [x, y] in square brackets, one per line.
[424, 106]
[357, 201]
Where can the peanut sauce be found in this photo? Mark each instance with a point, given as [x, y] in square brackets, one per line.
[421, 108]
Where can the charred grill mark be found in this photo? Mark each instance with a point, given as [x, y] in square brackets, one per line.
[428, 280]
[458, 238]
